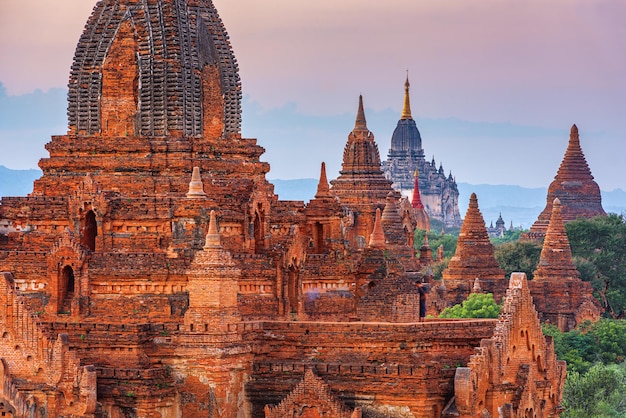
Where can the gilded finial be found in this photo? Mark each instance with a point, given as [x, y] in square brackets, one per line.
[406, 110]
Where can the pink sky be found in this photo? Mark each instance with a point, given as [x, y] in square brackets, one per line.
[533, 62]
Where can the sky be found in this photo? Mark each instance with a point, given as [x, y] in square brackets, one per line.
[495, 84]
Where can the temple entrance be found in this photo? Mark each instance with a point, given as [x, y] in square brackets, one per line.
[66, 290]
[89, 231]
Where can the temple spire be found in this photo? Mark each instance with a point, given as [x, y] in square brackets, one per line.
[377, 238]
[555, 262]
[361, 123]
[416, 202]
[323, 190]
[196, 188]
[213, 236]
[406, 110]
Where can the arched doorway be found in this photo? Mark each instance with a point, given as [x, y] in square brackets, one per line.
[89, 231]
[66, 290]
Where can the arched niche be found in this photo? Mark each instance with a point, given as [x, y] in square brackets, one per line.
[89, 230]
[67, 285]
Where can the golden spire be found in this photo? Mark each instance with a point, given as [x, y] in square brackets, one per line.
[406, 111]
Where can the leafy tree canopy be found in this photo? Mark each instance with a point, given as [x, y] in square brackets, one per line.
[519, 256]
[601, 392]
[599, 250]
[477, 305]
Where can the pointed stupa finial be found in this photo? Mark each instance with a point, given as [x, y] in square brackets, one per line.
[323, 190]
[377, 238]
[406, 110]
[473, 203]
[196, 188]
[574, 138]
[213, 236]
[361, 123]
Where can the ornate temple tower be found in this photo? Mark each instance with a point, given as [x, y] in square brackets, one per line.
[575, 188]
[439, 193]
[474, 258]
[361, 185]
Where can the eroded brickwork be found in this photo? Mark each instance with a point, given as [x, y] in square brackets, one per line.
[514, 373]
[473, 258]
[154, 250]
[560, 296]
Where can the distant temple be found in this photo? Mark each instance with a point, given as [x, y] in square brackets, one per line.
[575, 188]
[439, 193]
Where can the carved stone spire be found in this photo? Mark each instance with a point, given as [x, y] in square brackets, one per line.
[406, 110]
[575, 188]
[556, 261]
[474, 256]
[196, 188]
[377, 238]
[323, 190]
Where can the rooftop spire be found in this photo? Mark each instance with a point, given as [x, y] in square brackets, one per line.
[196, 188]
[213, 236]
[406, 110]
[377, 238]
[361, 123]
[556, 261]
[322, 187]
[417, 201]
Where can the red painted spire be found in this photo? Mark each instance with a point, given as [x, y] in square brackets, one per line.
[417, 200]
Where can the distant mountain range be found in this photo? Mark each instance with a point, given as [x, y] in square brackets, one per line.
[517, 204]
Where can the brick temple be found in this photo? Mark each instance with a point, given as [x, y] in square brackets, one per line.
[575, 188]
[154, 273]
[439, 193]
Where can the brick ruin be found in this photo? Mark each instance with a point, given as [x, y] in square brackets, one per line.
[473, 259]
[560, 296]
[439, 193]
[154, 273]
[575, 188]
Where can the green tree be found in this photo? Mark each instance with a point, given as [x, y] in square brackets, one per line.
[603, 341]
[599, 247]
[519, 256]
[508, 236]
[601, 392]
[477, 305]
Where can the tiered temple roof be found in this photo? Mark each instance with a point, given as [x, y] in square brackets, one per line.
[474, 256]
[575, 188]
[555, 261]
